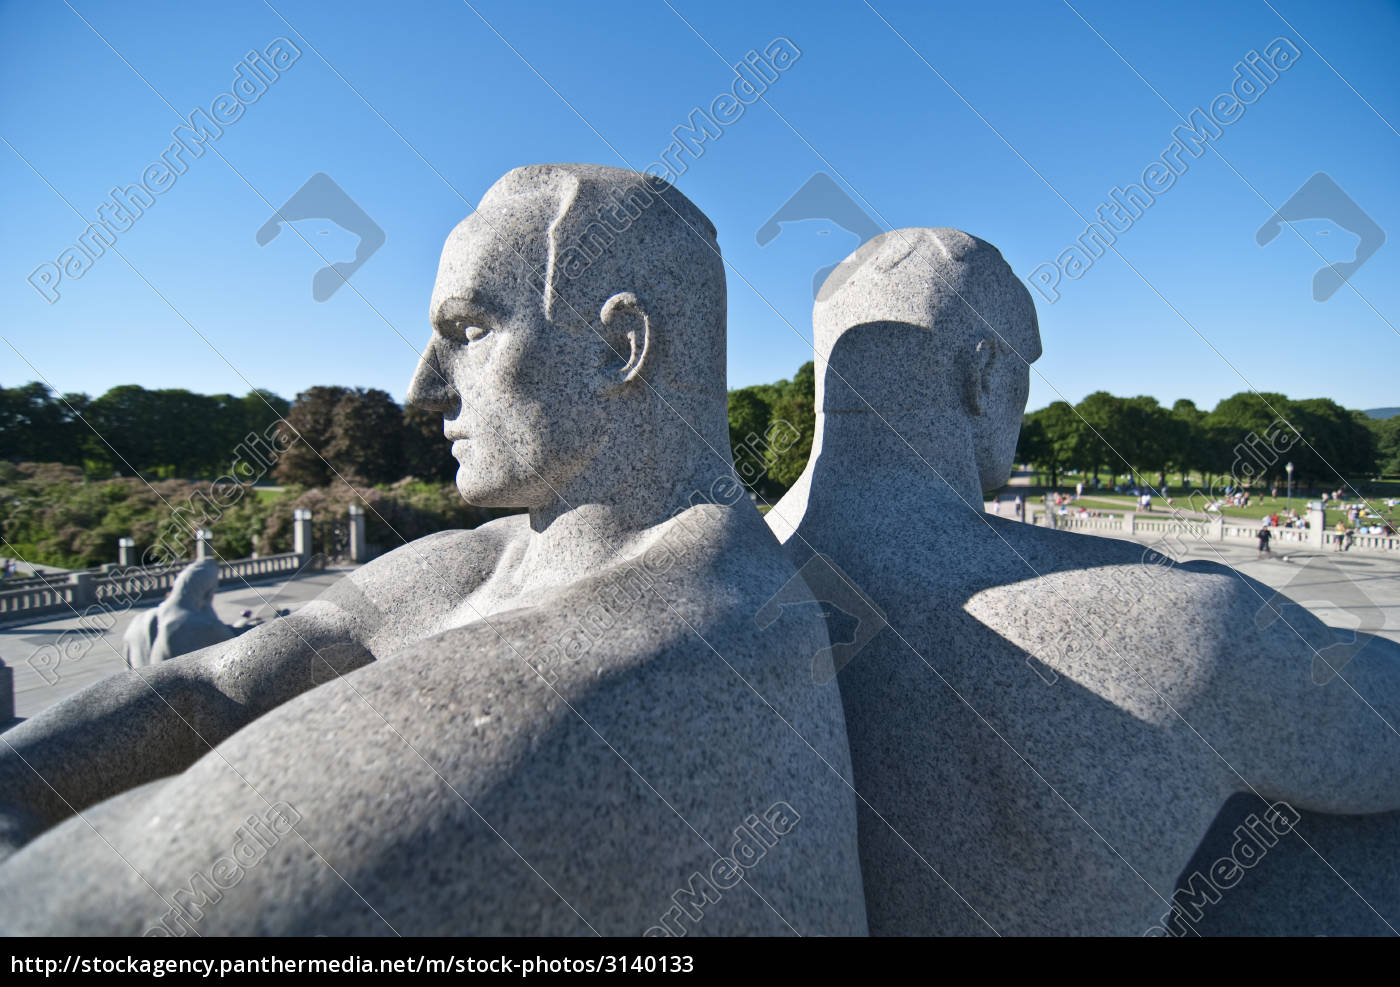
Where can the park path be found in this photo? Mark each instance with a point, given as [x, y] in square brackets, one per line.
[53, 659]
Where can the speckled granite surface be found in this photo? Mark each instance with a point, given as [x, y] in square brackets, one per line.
[1050, 723]
[558, 723]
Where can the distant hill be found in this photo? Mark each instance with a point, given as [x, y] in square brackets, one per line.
[1382, 412]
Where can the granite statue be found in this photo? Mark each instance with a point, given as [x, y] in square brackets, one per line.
[560, 722]
[1044, 725]
[185, 621]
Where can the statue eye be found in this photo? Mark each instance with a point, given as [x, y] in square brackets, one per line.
[464, 329]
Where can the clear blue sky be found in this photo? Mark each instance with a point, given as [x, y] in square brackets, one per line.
[858, 104]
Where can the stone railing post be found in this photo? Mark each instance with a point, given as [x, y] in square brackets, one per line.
[203, 544]
[1130, 522]
[126, 552]
[358, 550]
[84, 589]
[7, 694]
[1217, 528]
[301, 532]
[1317, 526]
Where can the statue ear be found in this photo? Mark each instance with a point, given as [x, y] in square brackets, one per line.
[977, 382]
[627, 319]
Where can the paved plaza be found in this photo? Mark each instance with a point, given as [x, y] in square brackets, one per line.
[52, 659]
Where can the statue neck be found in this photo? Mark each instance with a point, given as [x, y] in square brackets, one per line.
[919, 456]
[638, 482]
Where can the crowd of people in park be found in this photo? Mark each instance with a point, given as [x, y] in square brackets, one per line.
[1360, 517]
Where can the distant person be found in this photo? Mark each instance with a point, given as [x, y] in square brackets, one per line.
[1264, 536]
[1146, 500]
[1079, 490]
[1341, 535]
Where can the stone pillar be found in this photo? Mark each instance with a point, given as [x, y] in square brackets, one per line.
[7, 694]
[203, 544]
[84, 589]
[1130, 522]
[358, 550]
[126, 552]
[1317, 526]
[256, 541]
[1217, 528]
[301, 532]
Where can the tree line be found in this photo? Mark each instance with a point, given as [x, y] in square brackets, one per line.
[359, 433]
[364, 435]
[1247, 436]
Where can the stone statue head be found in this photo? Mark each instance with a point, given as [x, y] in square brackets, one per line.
[578, 319]
[195, 586]
[930, 321]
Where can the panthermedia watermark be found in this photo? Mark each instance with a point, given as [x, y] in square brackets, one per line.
[1254, 838]
[321, 198]
[620, 590]
[252, 76]
[753, 75]
[1254, 458]
[1124, 206]
[252, 842]
[1329, 588]
[844, 605]
[821, 199]
[1322, 198]
[752, 841]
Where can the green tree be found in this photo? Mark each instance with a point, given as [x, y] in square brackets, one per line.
[1053, 436]
[366, 437]
[1101, 435]
[427, 453]
[748, 423]
[1385, 432]
[37, 426]
[791, 429]
[307, 432]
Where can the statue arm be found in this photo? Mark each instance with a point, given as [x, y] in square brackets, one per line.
[1325, 712]
[147, 723]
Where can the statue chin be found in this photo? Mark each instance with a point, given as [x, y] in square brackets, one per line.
[480, 490]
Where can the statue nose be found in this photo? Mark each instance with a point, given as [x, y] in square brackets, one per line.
[430, 388]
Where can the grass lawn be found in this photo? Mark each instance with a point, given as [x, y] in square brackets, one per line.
[1257, 509]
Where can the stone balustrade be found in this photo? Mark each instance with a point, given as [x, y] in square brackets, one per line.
[1215, 529]
[120, 585]
[115, 586]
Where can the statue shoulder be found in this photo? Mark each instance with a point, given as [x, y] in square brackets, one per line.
[430, 572]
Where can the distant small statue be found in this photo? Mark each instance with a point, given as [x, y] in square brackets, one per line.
[184, 622]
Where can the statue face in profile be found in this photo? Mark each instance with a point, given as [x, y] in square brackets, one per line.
[521, 396]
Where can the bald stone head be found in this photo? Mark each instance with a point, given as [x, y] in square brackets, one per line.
[579, 310]
[932, 320]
